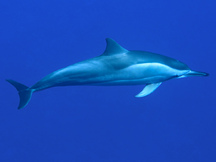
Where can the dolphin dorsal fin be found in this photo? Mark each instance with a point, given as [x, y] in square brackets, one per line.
[113, 48]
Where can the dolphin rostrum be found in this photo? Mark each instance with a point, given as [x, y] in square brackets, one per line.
[116, 66]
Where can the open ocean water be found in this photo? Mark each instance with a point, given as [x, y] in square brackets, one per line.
[176, 123]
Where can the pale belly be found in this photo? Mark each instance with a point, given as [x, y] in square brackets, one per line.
[136, 74]
[145, 73]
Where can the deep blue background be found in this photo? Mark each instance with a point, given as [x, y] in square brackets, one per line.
[176, 123]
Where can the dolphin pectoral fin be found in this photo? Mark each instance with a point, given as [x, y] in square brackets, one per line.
[148, 89]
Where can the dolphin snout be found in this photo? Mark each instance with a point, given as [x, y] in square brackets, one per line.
[196, 73]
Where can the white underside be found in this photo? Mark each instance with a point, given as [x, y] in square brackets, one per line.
[139, 74]
[88, 74]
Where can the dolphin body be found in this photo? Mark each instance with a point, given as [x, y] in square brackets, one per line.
[116, 66]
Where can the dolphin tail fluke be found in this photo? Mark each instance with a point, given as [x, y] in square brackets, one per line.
[25, 93]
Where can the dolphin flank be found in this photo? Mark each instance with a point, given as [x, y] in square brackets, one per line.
[116, 66]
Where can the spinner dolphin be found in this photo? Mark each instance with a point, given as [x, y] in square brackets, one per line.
[116, 66]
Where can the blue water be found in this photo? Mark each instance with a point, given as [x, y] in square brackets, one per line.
[176, 123]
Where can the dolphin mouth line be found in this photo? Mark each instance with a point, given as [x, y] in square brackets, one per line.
[196, 73]
[193, 73]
